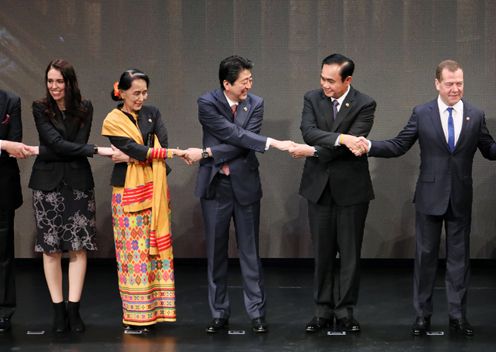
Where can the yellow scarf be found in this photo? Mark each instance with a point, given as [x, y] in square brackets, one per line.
[145, 186]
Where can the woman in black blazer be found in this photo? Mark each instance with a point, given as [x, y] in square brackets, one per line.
[62, 183]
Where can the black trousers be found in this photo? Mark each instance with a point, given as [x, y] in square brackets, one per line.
[336, 229]
[7, 279]
[427, 237]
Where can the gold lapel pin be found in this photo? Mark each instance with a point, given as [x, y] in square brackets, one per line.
[245, 109]
[347, 105]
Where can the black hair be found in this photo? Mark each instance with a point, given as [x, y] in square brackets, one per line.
[126, 81]
[347, 64]
[230, 68]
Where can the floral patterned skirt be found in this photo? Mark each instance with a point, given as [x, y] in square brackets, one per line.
[146, 282]
[65, 220]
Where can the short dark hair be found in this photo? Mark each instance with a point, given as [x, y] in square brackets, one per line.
[230, 68]
[450, 65]
[126, 81]
[347, 64]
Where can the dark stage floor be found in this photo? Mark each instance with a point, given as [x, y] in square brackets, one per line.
[384, 311]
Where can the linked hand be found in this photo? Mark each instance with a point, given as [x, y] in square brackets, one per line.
[119, 157]
[18, 150]
[105, 151]
[364, 143]
[301, 150]
[282, 145]
[354, 144]
[192, 155]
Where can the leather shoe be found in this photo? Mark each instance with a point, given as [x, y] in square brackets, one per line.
[4, 324]
[348, 324]
[421, 325]
[317, 324]
[216, 325]
[259, 325]
[461, 325]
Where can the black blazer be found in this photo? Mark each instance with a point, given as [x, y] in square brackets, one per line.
[445, 178]
[347, 175]
[150, 123]
[63, 150]
[11, 130]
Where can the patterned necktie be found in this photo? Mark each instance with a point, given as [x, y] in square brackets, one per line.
[451, 130]
[335, 104]
[234, 108]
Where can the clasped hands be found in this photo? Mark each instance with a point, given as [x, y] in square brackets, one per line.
[357, 145]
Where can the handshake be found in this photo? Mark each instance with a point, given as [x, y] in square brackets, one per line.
[357, 145]
[19, 150]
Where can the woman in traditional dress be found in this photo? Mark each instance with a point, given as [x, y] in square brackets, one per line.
[140, 205]
[62, 183]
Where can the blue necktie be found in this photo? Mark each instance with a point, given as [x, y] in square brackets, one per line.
[451, 130]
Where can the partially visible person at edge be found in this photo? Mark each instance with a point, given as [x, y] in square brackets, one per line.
[143, 242]
[62, 184]
[10, 189]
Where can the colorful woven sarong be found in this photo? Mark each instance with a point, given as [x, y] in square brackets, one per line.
[146, 282]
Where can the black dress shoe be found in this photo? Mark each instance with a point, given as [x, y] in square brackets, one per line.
[317, 324]
[461, 325]
[216, 325]
[348, 324]
[259, 325]
[421, 325]
[4, 324]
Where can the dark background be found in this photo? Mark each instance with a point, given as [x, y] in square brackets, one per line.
[395, 44]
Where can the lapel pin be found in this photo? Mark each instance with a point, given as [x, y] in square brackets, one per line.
[150, 120]
[347, 105]
[245, 109]
[467, 118]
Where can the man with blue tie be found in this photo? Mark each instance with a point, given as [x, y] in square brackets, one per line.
[449, 131]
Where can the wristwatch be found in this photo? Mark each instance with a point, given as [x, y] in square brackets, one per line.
[95, 149]
[204, 153]
[315, 153]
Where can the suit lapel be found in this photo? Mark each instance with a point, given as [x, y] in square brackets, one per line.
[435, 117]
[467, 120]
[344, 109]
[242, 113]
[325, 114]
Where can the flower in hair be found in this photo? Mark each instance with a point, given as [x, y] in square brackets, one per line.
[117, 93]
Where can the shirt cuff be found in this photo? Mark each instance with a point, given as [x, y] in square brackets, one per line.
[267, 143]
[0, 147]
[337, 144]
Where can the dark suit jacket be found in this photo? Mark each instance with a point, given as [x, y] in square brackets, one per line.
[150, 123]
[347, 175]
[11, 130]
[233, 142]
[443, 175]
[63, 150]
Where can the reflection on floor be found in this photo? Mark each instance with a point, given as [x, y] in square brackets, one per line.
[385, 312]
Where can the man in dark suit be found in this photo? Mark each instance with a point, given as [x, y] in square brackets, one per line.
[229, 186]
[11, 199]
[338, 188]
[449, 131]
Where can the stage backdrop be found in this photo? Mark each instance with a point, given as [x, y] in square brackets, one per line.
[396, 46]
